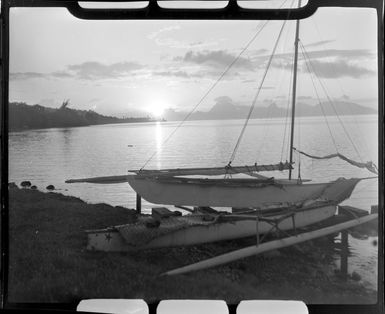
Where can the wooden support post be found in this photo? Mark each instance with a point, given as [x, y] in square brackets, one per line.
[293, 219]
[138, 203]
[256, 228]
[344, 254]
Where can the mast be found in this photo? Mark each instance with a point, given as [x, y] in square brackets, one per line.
[294, 90]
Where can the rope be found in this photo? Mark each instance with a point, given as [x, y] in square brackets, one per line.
[208, 91]
[334, 109]
[264, 132]
[299, 145]
[256, 96]
[358, 128]
[368, 165]
[319, 100]
[339, 119]
[287, 112]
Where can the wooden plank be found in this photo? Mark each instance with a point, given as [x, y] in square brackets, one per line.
[159, 213]
[185, 208]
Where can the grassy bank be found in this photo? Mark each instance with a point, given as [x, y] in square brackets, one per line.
[49, 263]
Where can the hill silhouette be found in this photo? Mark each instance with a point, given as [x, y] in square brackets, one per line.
[24, 117]
[225, 108]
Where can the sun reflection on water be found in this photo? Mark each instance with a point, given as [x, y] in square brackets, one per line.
[158, 140]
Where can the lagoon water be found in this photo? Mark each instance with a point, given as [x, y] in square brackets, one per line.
[51, 156]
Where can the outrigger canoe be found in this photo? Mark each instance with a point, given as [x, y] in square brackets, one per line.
[199, 228]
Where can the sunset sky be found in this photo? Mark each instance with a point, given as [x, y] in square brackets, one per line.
[117, 67]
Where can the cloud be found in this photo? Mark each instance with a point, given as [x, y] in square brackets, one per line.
[200, 44]
[95, 70]
[338, 68]
[319, 43]
[259, 51]
[26, 75]
[161, 40]
[178, 73]
[95, 99]
[319, 54]
[223, 99]
[282, 64]
[216, 59]
[61, 74]
[189, 73]
[90, 70]
[341, 53]
[340, 63]
[248, 81]
[178, 44]
[304, 97]
[163, 30]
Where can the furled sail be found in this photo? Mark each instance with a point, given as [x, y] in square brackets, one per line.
[368, 165]
[186, 171]
[215, 170]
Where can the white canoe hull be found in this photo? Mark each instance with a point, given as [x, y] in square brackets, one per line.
[202, 194]
[112, 240]
[239, 229]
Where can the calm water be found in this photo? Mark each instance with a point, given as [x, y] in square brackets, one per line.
[51, 156]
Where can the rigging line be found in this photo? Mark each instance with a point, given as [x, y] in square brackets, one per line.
[209, 90]
[287, 111]
[299, 145]
[341, 88]
[299, 139]
[257, 94]
[266, 127]
[264, 131]
[339, 119]
[281, 67]
[268, 118]
[334, 109]
[277, 89]
[319, 100]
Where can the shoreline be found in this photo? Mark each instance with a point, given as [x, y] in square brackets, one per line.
[173, 120]
[78, 126]
[30, 117]
[49, 263]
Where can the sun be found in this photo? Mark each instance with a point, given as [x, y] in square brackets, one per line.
[157, 109]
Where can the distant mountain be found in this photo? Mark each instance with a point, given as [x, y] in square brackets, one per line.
[225, 109]
[339, 107]
[23, 116]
